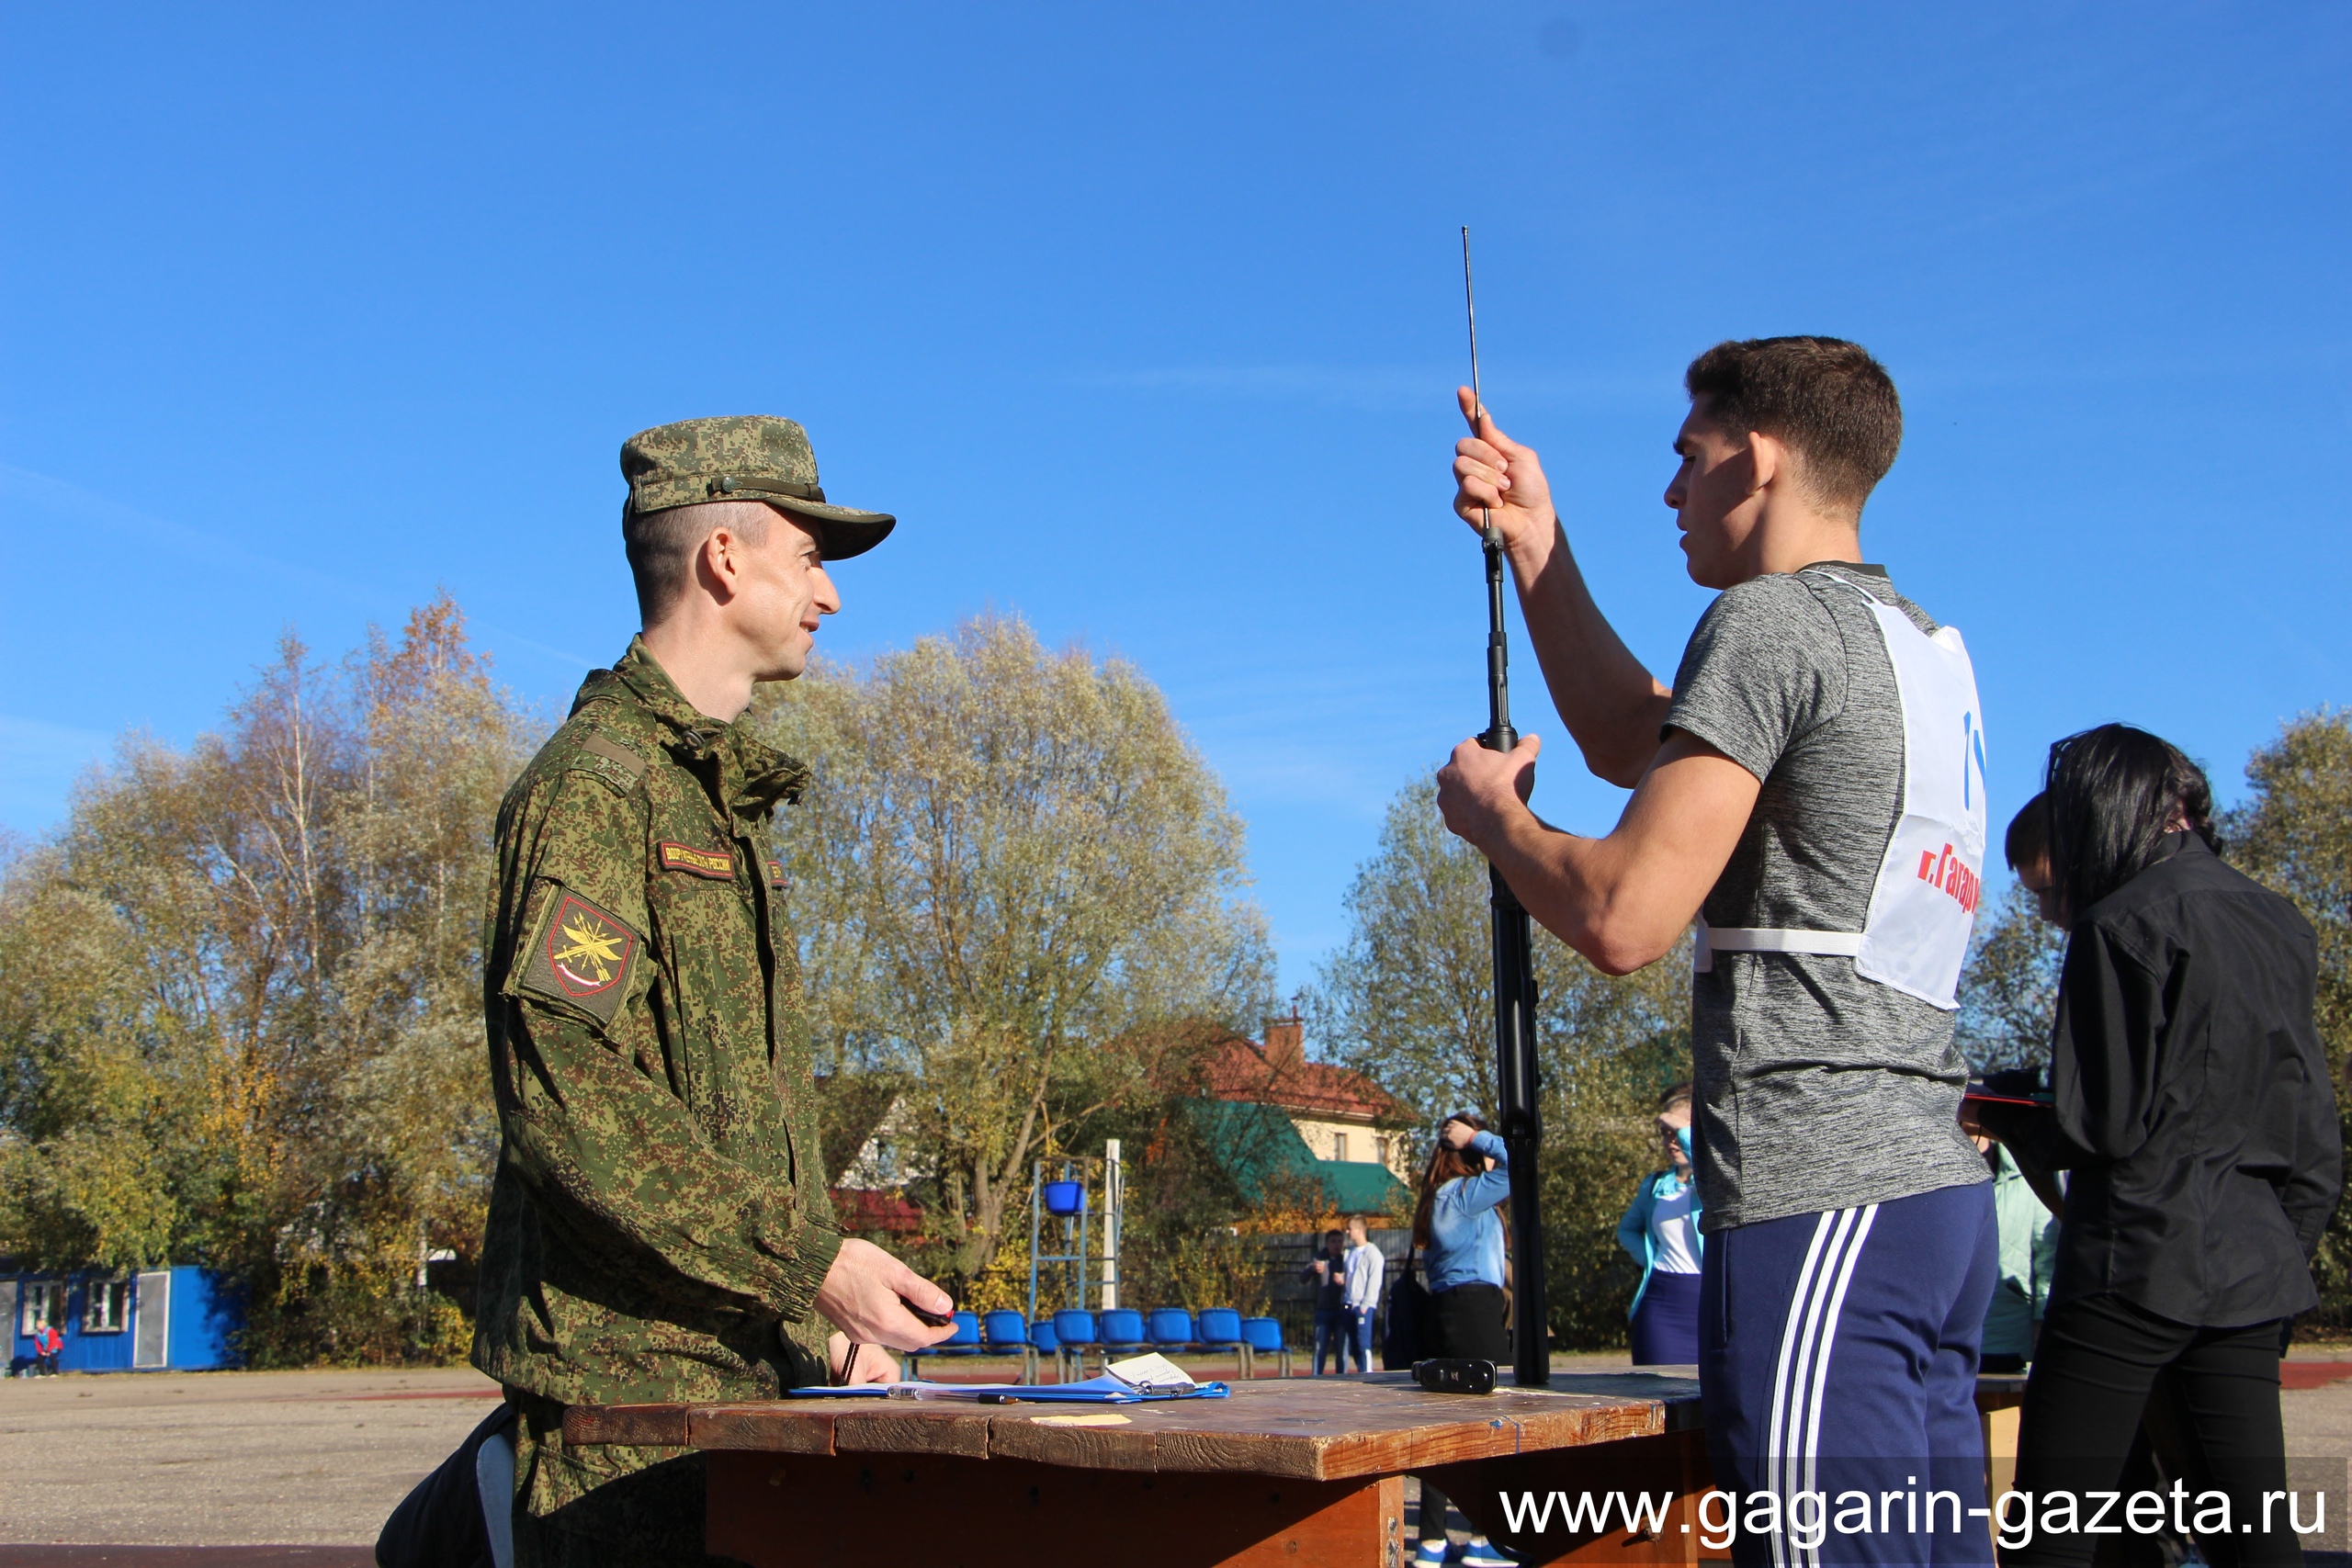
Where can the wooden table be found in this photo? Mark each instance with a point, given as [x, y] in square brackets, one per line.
[1292, 1471]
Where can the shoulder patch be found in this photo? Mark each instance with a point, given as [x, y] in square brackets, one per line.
[718, 864]
[775, 875]
[581, 954]
[597, 745]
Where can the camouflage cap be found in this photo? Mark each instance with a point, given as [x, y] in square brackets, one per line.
[752, 457]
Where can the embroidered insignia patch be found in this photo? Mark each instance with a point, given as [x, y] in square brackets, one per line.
[582, 954]
[775, 875]
[715, 864]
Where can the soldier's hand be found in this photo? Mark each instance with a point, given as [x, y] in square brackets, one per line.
[862, 1297]
[874, 1363]
[1496, 477]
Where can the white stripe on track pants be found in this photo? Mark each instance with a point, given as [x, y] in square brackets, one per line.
[1837, 1364]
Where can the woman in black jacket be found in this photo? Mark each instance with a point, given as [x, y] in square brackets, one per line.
[2195, 1111]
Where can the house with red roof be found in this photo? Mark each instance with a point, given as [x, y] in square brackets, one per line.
[1343, 1129]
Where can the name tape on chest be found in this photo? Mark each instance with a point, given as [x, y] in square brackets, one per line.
[717, 865]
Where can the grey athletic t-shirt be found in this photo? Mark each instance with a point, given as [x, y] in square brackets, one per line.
[1815, 1088]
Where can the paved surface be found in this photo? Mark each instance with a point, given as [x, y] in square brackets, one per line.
[181, 1469]
[210, 1459]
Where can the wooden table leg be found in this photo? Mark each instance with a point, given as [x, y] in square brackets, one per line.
[778, 1510]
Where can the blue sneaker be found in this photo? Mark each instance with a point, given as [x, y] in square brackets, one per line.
[1484, 1553]
[1429, 1554]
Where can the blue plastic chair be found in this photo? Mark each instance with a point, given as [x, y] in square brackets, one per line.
[1219, 1328]
[1075, 1330]
[1122, 1333]
[1168, 1328]
[1044, 1342]
[1007, 1334]
[1265, 1338]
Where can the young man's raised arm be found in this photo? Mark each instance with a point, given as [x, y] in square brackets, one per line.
[1611, 704]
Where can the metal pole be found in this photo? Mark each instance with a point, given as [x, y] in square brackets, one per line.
[1514, 972]
[1113, 1185]
[1036, 1220]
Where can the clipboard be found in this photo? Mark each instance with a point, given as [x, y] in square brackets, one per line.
[1094, 1391]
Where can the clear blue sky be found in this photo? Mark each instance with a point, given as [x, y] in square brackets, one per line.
[1145, 321]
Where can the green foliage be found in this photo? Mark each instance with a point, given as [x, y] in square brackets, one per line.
[240, 1019]
[1409, 1000]
[1024, 870]
[2295, 834]
[2008, 990]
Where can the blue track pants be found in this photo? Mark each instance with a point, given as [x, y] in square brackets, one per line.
[1837, 1366]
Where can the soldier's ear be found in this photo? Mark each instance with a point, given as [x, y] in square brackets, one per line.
[718, 563]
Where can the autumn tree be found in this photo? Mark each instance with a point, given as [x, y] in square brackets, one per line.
[1009, 862]
[2008, 987]
[239, 999]
[1409, 1000]
[2294, 833]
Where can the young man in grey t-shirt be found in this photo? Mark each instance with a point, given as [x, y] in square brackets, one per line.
[1809, 794]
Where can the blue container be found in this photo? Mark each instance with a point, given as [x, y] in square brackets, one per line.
[1064, 1197]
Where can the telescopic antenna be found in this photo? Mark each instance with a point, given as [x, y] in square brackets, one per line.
[1500, 736]
[1517, 1092]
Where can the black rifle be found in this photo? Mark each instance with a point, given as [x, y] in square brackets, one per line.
[1515, 1077]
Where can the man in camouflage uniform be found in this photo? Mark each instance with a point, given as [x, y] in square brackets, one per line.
[659, 1227]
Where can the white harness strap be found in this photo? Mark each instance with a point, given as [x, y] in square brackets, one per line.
[1924, 903]
[1712, 940]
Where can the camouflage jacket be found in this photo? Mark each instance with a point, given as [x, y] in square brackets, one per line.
[659, 1204]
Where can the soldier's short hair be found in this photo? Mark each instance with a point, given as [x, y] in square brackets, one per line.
[662, 546]
[1825, 399]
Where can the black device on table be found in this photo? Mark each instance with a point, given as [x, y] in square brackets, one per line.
[1455, 1375]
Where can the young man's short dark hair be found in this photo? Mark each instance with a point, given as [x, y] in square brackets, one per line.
[1824, 397]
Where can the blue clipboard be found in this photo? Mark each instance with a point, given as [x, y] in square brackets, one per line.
[1094, 1391]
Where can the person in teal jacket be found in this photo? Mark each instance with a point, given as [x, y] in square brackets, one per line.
[1660, 1230]
[2029, 1258]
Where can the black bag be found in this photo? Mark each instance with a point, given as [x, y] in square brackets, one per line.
[438, 1525]
[1407, 1340]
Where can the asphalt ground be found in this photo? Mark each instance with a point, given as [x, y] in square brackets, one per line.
[277, 1470]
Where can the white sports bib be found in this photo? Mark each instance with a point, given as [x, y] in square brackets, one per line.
[1924, 905]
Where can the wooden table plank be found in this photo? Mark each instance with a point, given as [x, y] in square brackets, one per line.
[1319, 1429]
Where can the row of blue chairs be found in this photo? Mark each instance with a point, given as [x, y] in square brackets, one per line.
[1070, 1337]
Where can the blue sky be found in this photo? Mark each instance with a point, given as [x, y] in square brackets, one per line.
[1145, 320]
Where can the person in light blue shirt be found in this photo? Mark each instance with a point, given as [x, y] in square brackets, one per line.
[1461, 1237]
[1661, 1231]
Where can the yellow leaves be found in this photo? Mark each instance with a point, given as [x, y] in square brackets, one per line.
[239, 991]
[1008, 857]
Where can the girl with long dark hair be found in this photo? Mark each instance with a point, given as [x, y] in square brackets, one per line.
[2195, 1110]
[1461, 1238]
